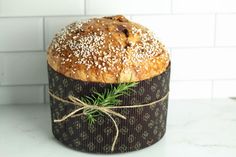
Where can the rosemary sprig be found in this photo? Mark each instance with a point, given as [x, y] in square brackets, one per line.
[108, 98]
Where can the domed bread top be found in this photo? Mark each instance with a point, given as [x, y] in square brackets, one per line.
[109, 50]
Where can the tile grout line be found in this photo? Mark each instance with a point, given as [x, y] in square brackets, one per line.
[212, 88]
[85, 9]
[171, 7]
[44, 45]
[201, 80]
[21, 85]
[215, 22]
[44, 94]
[133, 14]
[202, 47]
[23, 51]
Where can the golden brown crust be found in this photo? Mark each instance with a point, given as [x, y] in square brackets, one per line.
[109, 50]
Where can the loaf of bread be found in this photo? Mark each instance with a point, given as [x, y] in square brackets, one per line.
[109, 50]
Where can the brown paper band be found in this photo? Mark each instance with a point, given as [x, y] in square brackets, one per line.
[106, 110]
[144, 126]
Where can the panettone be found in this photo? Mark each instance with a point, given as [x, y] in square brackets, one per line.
[90, 63]
[108, 50]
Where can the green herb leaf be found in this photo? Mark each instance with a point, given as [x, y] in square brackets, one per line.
[108, 98]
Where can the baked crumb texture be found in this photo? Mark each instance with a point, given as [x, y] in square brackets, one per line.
[109, 50]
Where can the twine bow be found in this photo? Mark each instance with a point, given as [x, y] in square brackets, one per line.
[104, 109]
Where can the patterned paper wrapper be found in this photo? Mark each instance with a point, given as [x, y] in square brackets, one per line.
[143, 127]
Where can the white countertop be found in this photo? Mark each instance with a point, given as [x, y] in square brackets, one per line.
[195, 128]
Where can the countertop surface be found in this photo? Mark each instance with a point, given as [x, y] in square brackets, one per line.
[195, 128]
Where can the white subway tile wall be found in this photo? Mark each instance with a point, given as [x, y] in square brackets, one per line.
[225, 30]
[21, 94]
[46, 94]
[102, 7]
[41, 7]
[21, 34]
[200, 35]
[23, 68]
[190, 89]
[181, 30]
[203, 63]
[194, 6]
[204, 6]
[1, 69]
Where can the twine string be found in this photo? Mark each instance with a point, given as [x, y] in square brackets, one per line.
[104, 109]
